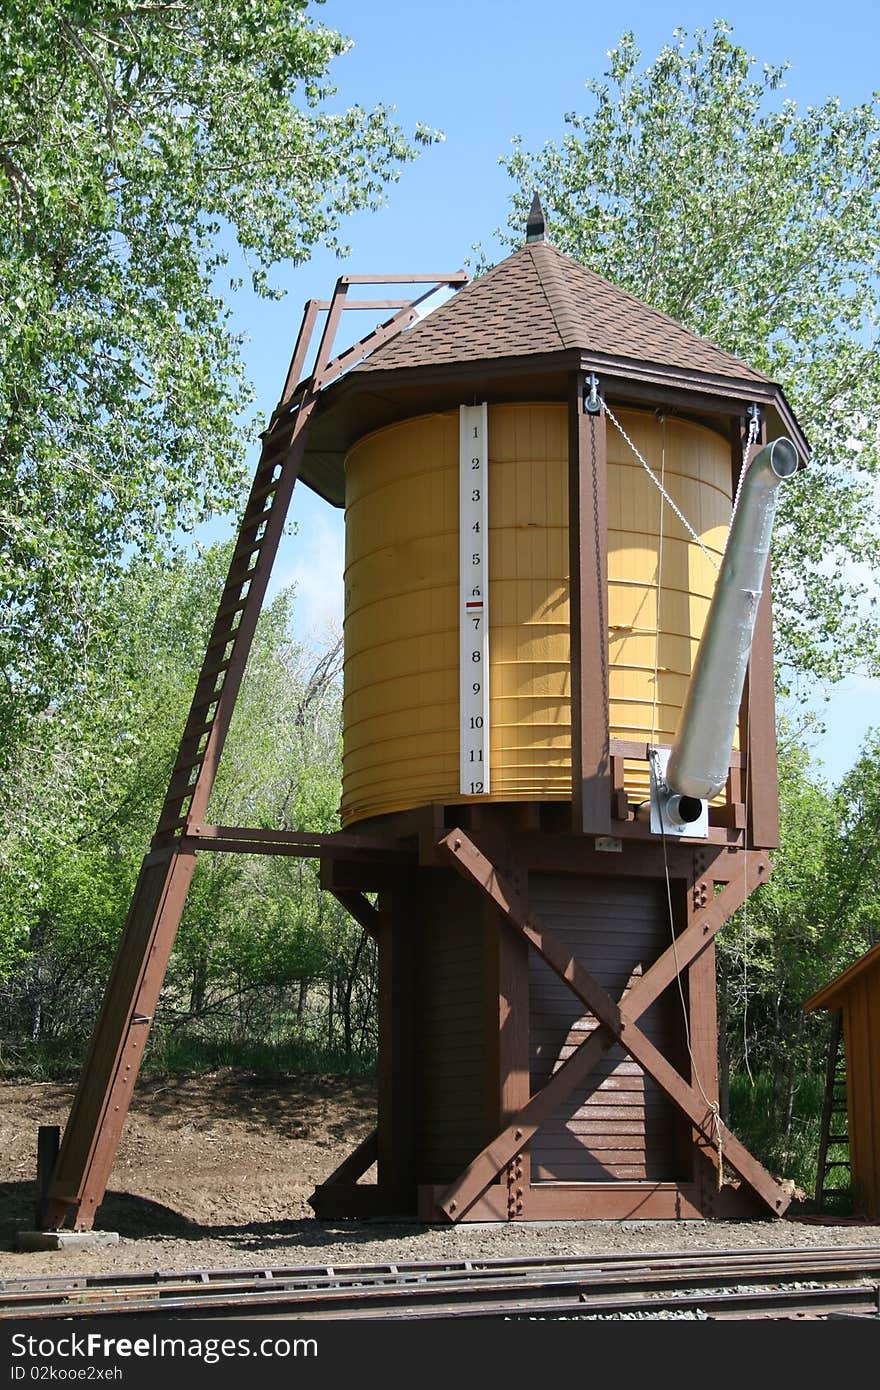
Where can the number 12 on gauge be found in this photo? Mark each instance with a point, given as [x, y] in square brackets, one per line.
[474, 601]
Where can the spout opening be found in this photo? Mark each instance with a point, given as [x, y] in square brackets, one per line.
[683, 810]
[783, 458]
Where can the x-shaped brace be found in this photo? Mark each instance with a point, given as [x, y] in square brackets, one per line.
[617, 1023]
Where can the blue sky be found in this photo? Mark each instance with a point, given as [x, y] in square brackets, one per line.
[483, 72]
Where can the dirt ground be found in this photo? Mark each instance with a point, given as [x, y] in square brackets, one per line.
[215, 1171]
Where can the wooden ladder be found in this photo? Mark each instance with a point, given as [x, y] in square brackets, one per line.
[78, 1180]
[835, 1131]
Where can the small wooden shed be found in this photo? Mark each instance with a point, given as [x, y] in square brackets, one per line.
[856, 993]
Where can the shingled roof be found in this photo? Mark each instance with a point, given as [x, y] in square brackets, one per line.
[539, 300]
[526, 326]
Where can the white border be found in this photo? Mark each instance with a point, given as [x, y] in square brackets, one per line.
[473, 531]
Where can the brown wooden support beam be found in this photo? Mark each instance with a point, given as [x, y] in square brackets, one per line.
[328, 337]
[620, 809]
[702, 1024]
[485, 1168]
[384, 332]
[104, 1093]
[758, 711]
[397, 1005]
[372, 304]
[588, 616]
[618, 1020]
[356, 1201]
[48, 1144]
[311, 309]
[610, 1201]
[301, 844]
[363, 912]
[362, 875]
[731, 817]
[506, 1030]
[456, 279]
[357, 1163]
[763, 776]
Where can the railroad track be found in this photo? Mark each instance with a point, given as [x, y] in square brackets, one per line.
[722, 1284]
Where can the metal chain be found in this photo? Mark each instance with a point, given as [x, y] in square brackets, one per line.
[657, 483]
[747, 449]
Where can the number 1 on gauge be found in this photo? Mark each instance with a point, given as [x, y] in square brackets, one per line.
[474, 602]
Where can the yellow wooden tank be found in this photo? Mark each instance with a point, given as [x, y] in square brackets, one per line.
[401, 726]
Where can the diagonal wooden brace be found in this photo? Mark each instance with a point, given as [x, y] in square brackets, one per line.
[358, 907]
[618, 1023]
[357, 1162]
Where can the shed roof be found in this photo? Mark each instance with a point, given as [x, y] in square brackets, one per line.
[828, 997]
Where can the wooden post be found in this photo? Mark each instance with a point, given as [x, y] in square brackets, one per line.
[763, 808]
[100, 1106]
[758, 711]
[588, 616]
[397, 991]
[703, 1027]
[507, 1037]
[48, 1144]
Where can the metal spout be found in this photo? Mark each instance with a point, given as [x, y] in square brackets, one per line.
[700, 754]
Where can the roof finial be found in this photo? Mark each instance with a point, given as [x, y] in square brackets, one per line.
[535, 223]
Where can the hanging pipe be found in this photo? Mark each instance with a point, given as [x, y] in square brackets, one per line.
[698, 763]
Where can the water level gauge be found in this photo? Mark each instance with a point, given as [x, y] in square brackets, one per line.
[473, 601]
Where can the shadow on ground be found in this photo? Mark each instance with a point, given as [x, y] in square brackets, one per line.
[291, 1105]
[138, 1218]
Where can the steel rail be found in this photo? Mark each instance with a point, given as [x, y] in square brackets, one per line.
[727, 1259]
[716, 1303]
[461, 1288]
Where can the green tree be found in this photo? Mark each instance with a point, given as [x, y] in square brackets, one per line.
[816, 915]
[856, 859]
[79, 803]
[690, 183]
[77, 816]
[778, 949]
[136, 141]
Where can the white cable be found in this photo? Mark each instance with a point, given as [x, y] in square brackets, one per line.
[657, 483]
[745, 906]
[711, 1105]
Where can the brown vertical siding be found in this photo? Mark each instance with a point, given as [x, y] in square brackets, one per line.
[449, 1027]
[862, 1042]
[624, 1129]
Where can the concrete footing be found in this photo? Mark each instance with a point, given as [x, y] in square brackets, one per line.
[64, 1240]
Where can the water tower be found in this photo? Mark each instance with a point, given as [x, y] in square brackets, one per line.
[559, 771]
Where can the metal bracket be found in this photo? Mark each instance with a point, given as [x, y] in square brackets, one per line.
[754, 413]
[662, 823]
[592, 401]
